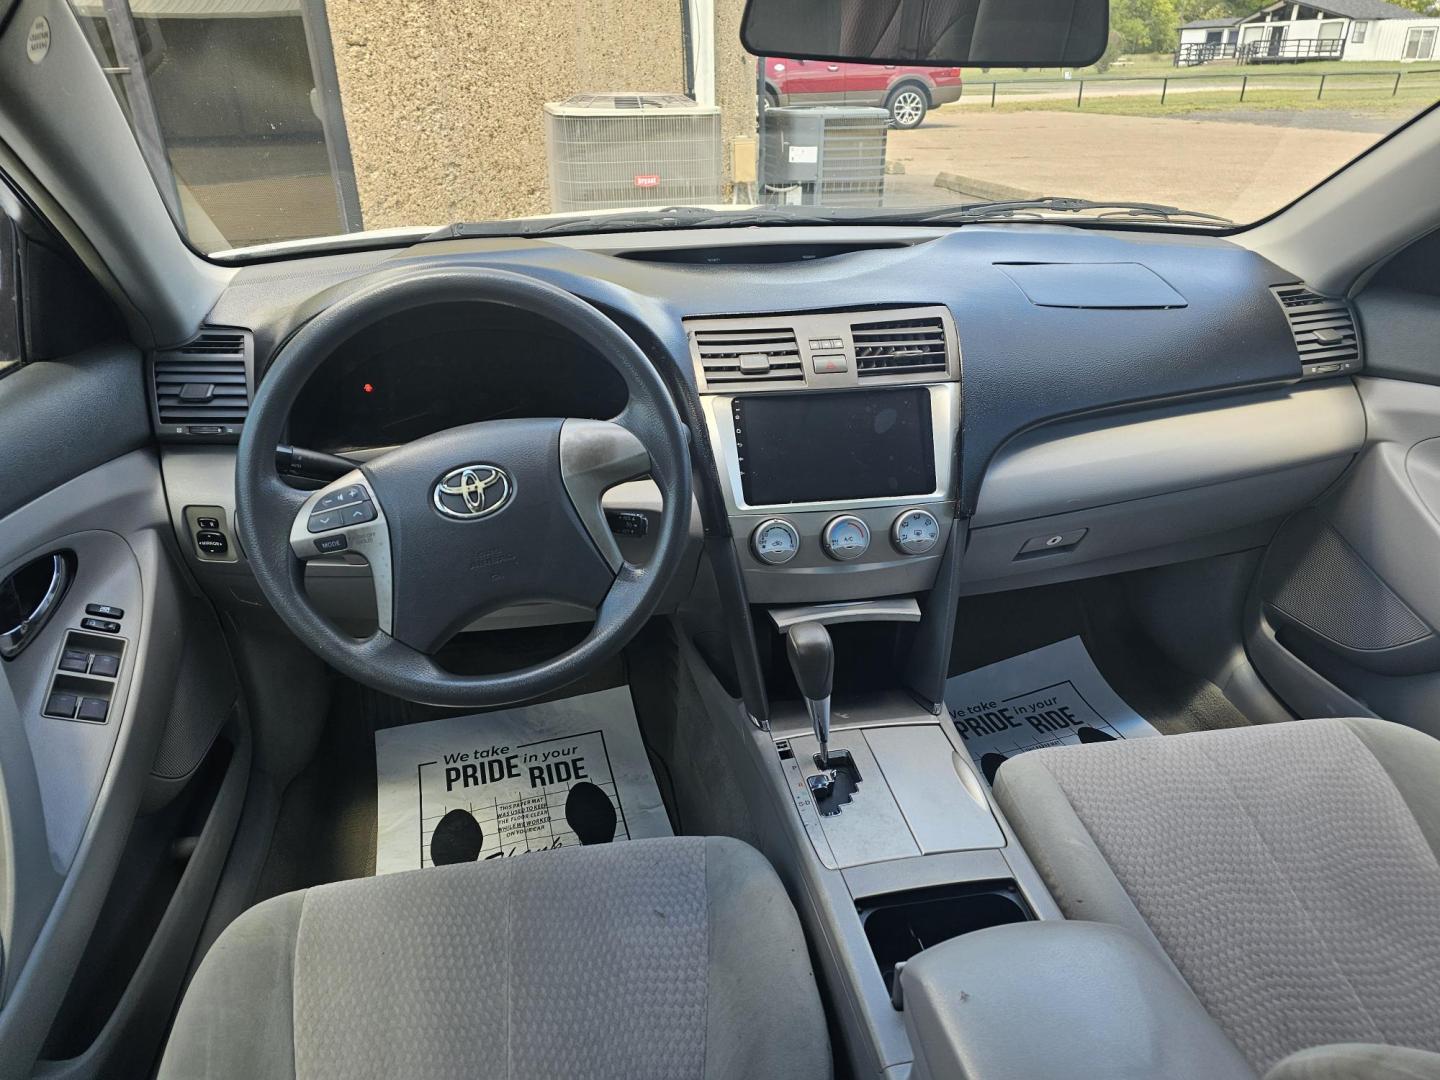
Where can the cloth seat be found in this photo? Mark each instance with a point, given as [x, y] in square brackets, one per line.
[1290, 872]
[651, 958]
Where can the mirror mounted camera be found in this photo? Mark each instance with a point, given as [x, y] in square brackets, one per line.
[943, 33]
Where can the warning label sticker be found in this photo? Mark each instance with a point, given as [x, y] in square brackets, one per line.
[512, 782]
[1051, 696]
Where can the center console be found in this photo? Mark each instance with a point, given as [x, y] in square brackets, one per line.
[836, 437]
[835, 433]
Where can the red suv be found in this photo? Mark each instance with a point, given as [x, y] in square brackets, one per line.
[908, 93]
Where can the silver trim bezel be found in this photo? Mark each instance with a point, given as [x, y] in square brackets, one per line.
[769, 523]
[824, 325]
[944, 423]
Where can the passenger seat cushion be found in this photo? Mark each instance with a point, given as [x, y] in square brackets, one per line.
[667, 958]
[1287, 870]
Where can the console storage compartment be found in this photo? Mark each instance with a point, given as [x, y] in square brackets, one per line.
[1061, 1000]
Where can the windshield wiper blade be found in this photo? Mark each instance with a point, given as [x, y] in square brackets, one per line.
[1058, 204]
[670, 217]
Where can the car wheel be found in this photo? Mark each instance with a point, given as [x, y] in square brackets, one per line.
[768, 100]
[907, 106]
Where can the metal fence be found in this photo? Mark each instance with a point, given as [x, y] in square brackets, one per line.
[1345, 86]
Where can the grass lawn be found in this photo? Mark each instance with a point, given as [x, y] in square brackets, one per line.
[1262, 99]
[1213, 102]
[1162, 66]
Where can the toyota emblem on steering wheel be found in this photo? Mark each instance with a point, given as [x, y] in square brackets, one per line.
[472, 491]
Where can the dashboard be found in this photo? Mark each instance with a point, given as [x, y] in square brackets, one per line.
[868, 406]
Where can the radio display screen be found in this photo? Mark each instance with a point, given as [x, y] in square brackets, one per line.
[832, 446]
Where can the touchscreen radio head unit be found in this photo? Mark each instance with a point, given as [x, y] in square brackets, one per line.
[834, 446]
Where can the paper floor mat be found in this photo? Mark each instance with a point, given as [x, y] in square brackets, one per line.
[521, 780]
[1051, 696]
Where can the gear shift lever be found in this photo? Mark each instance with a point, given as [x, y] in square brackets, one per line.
[812, 658]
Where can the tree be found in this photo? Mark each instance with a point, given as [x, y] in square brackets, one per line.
[1115, 46]
[1146, 25]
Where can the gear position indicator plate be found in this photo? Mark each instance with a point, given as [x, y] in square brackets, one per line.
[512, 782]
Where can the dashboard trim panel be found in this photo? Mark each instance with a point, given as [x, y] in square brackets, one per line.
[944, 424]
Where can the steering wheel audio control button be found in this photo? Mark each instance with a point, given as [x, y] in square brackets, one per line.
[348, 518]
[333, 500]
[357, 513]
[324, 522]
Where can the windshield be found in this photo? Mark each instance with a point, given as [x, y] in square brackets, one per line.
[278, 120]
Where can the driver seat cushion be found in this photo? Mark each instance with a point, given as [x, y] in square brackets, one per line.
[666, 958]
[1288, 871]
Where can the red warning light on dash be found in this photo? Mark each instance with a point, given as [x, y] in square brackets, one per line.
[369, 388]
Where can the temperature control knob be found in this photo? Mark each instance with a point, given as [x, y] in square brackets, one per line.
[775, 541]
[845, 537]
[915, 532]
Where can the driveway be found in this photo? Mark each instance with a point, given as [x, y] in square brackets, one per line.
[1241, 171]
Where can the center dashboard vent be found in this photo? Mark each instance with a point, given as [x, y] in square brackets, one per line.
[899, 346]
[823, 350]
[202, 388]
[1323, 329]
[749, 356]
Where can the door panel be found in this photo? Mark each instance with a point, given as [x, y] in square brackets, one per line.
[82, 800]
[1350, 587]
[60, 418]
[810, 82]
[868, 84]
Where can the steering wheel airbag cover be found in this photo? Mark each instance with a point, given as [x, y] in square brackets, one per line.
[266, 506]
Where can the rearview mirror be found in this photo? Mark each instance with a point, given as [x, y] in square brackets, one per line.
[948, 33]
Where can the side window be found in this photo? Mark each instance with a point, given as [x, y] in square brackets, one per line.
[1357, 34]
[10, 352]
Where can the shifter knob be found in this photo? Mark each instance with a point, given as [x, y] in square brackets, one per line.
[812, 658]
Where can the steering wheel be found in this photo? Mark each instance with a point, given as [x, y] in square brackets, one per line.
[470, 519]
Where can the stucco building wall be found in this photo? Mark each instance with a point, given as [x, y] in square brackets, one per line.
[443, 99]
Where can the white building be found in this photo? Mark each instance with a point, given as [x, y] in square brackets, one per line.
[1286, 32]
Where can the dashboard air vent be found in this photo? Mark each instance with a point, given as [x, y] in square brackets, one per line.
[1323, 329]
[202, 388]
[747, 356]
[899, 346]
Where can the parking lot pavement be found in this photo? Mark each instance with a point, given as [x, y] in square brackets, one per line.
[1241, 171]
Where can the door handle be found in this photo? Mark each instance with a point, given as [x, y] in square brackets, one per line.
[834, 67]
[14, 639]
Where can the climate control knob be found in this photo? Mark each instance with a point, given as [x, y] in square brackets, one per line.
[775, 541]
[915, 532]
[845, 537]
